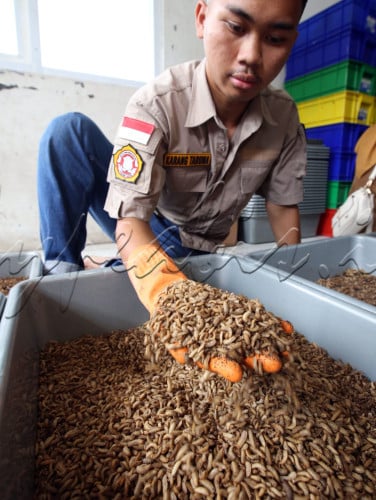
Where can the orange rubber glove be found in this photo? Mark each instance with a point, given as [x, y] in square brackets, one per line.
[150, 271]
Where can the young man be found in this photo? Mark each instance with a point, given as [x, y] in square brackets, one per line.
[193, 147]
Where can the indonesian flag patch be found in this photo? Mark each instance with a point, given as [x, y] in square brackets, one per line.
[136, 130]
[127, 164]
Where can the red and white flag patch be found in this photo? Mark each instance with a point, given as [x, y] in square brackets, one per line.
[136, 130]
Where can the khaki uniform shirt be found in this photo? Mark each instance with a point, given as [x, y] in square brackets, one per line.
[172, 153]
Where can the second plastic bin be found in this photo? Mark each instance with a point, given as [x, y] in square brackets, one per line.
[310, 261]
[16, 265]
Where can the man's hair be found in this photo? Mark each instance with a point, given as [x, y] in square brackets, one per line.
[304, 3]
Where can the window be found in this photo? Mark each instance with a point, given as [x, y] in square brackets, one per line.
[8, 29]
[109, 39]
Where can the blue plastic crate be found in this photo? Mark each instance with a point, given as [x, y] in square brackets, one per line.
[347, 30]
[341, 138]
[334, 49]
[338, 137]
[359, 15]
[341, 166]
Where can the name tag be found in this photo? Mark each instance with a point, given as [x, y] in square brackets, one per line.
[187, 160]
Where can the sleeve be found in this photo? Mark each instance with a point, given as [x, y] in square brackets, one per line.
[284, 184]
[135, 174]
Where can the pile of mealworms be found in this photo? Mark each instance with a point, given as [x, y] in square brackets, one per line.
[116, 423]
[213, 322]
[355, 283]
[8, 282]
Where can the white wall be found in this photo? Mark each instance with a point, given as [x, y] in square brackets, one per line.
[315, 6]
[28, 102]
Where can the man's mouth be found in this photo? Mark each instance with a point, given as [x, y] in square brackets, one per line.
[246, 77]
[245, 81]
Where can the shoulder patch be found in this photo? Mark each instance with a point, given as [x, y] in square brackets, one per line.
[127, 164]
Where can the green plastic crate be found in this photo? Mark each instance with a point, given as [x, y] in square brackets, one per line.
[346, 75]
[337, 193]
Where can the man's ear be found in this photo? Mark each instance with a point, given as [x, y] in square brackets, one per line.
[200, 16]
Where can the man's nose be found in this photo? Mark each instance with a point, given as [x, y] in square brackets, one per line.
[250, 51]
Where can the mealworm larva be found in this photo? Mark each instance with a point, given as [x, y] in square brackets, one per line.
[273, 472]
[243, 438]
[370, 475]
[273, 490]
[225, 308]
[251, 439]
[213, 473]
[369, 489]
[175, 468]
[182, 451]
[239, 477]
[201, 490]
[285, 457]
[208, 485]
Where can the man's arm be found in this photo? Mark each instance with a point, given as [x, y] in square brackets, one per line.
[285, 223]
[132, 233]
[232, 237]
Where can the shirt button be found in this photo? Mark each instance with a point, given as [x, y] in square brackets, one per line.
[221, 148]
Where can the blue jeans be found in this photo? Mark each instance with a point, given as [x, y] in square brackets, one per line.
[73, 161]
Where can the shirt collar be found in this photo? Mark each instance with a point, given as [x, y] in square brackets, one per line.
[202, 106]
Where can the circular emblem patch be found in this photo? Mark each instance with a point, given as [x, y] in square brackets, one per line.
[127, 164]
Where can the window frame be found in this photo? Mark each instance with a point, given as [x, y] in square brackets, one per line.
[29, 56]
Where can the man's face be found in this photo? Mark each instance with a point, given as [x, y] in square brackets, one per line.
[246, 43]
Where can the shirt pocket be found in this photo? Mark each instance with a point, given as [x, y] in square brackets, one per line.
[253, 174]
[187, 180]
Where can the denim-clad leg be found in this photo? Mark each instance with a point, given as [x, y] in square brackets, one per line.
[169, 239]
[72, 168]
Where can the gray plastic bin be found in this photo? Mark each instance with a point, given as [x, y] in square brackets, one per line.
[19, 264]
[311, 261]
[94, 302]
[13, 264]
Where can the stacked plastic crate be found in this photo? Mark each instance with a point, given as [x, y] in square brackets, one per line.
[331, 74]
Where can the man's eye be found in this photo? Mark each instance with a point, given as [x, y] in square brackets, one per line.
[275, 40]
[235, 27]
